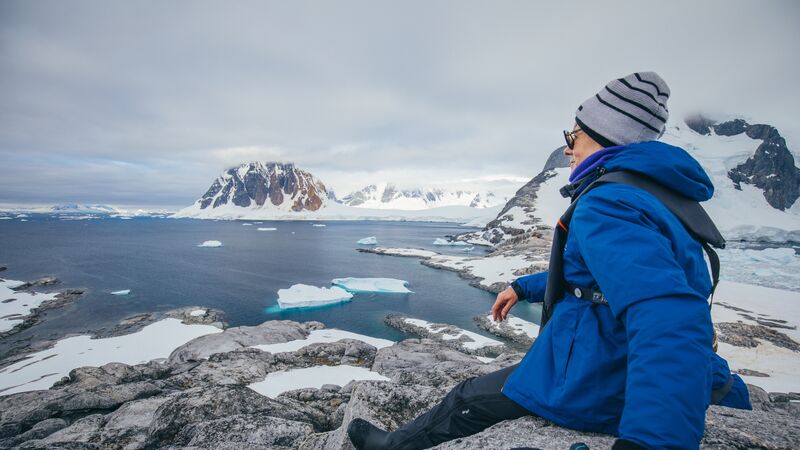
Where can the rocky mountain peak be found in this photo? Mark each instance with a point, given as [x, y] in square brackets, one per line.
[257, 184]
[771, 168]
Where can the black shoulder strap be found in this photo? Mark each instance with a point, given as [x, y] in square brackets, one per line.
[690, 213]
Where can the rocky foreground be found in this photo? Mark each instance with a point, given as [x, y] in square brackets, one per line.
[199, 398]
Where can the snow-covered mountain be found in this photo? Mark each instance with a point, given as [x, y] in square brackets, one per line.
[75, 208]
[256, 185]
[275, 191]
[388, 196]
[756, 182]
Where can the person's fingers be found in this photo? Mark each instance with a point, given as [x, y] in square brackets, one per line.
[496, 309]
[507, 308]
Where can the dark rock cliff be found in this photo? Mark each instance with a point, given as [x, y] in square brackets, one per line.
[771, 168]
[254, 184]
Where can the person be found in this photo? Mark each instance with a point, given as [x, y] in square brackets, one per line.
[639, 366]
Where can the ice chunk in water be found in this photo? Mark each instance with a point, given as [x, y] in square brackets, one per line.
[318, 225]
[122, 292]
[372, 285]
[368, 241]
[266, 229]
[442, 241]
[211, 244]
[304, 296]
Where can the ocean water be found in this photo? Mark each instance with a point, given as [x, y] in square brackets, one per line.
[159, 261]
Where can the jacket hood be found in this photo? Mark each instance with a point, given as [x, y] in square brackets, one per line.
[668, 165]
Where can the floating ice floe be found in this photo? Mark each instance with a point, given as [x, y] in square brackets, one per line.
[122, 292]
[304, 296]
[23, 220]
[6, 218]
[41, 369]
[467, 249]
[404, 252]
[266, 229]
[372, 285]
[14, 306]
[324, 335]
[442, 241]
[277, 383]
[368, 241]
[198, 313]
[247, 224]
[211, 244]
[318, 225]
[474, 342]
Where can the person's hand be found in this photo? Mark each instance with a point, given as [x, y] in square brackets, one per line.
[505, 300]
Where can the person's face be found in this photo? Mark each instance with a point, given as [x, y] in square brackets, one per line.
[582, 147]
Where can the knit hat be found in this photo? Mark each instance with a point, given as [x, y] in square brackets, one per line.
[628, 110]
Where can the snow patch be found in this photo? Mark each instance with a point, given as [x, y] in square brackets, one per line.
[277, 383]
[323, 336]
[41, 369]
[198, 313]
[15, 306]
[475, 341]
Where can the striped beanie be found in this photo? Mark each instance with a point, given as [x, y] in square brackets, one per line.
[628, 110]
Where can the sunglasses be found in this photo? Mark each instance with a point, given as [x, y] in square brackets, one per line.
[569, 136]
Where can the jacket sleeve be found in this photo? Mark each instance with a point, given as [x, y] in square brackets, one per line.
[531, 287]
[667, 323]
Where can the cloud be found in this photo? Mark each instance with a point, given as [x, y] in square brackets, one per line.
[355, 90]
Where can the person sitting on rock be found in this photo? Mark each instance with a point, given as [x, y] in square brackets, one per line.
[638, 365]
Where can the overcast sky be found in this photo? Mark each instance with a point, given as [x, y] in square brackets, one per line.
[145, 102]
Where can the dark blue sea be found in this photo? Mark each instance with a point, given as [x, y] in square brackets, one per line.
[160, 262]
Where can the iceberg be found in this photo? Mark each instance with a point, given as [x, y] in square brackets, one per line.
[318, 225]
[442, 241]
[368, 241]
[372, 285]
[122, 292]
[266, 229]
[312, 377]
[247, 224]
[305, 296]
[211, 244]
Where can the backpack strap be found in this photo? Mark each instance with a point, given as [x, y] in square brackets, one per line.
[689, 212]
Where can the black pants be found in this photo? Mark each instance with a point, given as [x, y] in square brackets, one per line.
[472, 406]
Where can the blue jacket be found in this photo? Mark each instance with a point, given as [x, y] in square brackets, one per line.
[642, 367]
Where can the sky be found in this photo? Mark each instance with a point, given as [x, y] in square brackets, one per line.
[145, 103]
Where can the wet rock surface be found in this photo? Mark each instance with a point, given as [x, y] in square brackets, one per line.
[747, 335]
[199, 399]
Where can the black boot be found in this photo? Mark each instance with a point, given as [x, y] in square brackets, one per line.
[366, 436]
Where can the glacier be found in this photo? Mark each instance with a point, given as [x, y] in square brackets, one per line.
[372, 285]
[306, 296]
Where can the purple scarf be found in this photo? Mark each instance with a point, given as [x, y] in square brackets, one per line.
[593, 161]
